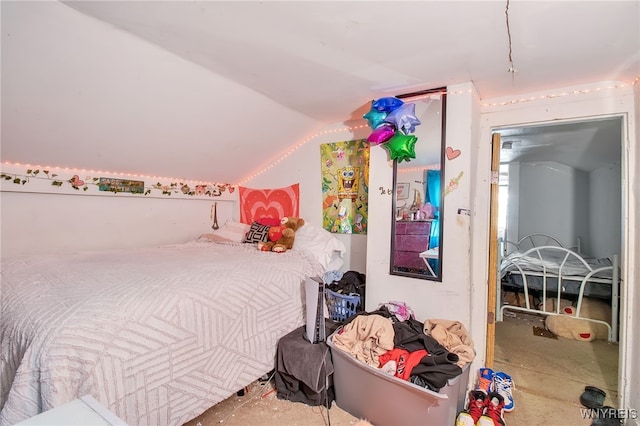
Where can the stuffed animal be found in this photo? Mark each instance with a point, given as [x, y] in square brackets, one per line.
[514, 298]
[282, 238]
[569, 327]
[552, 304]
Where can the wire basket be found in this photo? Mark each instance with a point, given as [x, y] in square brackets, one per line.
[341, 306]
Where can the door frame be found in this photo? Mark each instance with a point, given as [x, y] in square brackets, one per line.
[590, 105]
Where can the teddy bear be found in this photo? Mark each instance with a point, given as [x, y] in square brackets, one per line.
[281, 237]
[569, 327]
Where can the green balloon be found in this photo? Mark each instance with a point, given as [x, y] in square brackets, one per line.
[401, 147]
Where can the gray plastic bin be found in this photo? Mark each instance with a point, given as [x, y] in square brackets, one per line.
[368, 393]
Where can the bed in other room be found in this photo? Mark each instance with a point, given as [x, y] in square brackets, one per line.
[538, 263]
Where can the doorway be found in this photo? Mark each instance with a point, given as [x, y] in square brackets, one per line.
[561, 180]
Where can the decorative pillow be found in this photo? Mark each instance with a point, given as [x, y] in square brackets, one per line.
[322, 245]
[271, 221]
[257, 233]
[256, 204]
[230, 231]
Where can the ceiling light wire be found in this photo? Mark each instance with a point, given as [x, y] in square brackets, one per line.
[512, 68]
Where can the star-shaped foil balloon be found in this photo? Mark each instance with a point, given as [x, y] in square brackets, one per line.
[382, 134]
[401, 147]
[374, 117]
[387, 104]
[404, 118]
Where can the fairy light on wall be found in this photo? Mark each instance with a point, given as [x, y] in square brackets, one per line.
[103, 173]
[449, 92]
[297, 146]
[551, 96]
[419, 169]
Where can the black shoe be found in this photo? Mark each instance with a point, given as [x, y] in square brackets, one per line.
[607, 416]
[592, 397]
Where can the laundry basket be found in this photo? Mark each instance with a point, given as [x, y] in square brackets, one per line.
[341, 306]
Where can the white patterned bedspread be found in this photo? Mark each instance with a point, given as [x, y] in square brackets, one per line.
[157, 335]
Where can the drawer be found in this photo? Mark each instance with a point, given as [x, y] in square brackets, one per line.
[416, 243]
[413, 227]
[408, 259]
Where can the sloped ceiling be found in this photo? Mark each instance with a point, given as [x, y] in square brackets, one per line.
[214, 90]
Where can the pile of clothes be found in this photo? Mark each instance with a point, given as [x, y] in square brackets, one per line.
[427, 353]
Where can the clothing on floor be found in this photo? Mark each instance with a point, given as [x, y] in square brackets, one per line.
[404, 361]
[366, 338]
[434, 369]
[400, 310]
[453, 336]
[431, 365]
[302, 369]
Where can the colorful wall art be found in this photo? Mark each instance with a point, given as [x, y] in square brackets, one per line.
[345, 186]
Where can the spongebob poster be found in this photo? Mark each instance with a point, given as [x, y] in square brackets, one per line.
[345, 186]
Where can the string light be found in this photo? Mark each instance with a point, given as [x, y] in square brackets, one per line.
[449, 92]
[300, 145]
[558, 95]
[419, 169]
[104, 173]
[338, 130]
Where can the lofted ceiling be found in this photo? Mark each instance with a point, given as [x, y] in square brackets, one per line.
[282, 69]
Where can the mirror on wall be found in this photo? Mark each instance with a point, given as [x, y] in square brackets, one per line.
[418, 201]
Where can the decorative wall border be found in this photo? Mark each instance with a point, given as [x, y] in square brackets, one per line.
[35, 179]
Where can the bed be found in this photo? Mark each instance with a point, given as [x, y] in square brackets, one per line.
[158, 335]
[538, 263]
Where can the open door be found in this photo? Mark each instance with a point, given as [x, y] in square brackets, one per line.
[493, 250]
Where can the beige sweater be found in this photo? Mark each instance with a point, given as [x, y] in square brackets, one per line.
[366, 338]
[453, 336]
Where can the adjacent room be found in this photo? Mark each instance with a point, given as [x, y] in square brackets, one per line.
[201, 203]
[559, 201]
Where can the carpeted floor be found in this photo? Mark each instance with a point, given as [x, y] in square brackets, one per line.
[260, 407]
[551, 374]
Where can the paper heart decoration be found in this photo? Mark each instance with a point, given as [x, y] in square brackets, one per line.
[76, 182]
[453, 153]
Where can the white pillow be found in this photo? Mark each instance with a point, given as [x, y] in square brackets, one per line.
[230, 231]
[321, 244]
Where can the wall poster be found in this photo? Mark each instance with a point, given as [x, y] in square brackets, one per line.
[345, 186]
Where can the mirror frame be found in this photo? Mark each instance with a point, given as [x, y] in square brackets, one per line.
[392, 269]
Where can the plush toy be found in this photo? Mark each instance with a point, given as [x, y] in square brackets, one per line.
[428, 211]
[282, 238]
[517, 299]
[569, 327]
[552, 304]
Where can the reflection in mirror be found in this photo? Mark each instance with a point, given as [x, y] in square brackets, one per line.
[416, 229]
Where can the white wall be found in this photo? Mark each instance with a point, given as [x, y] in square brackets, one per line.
[605, 211]
[553, 200]
[38, 217]
[597, 99]
[429, 299]
[632, 246]
[568, 204]
[302, 166]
